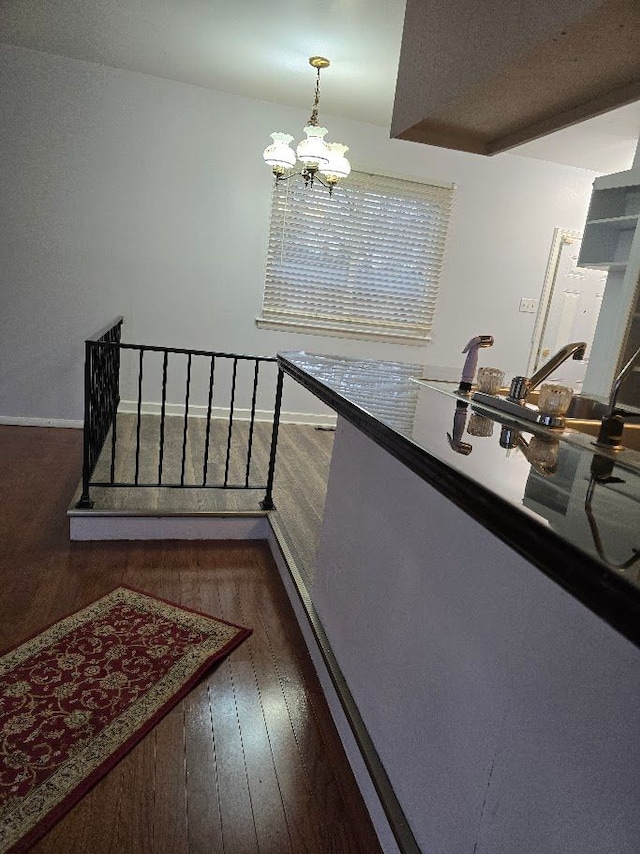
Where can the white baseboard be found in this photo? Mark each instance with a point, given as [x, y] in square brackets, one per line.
[308, 418]
[354, 754]
[177, 409]
[15, 421]
[90, 526]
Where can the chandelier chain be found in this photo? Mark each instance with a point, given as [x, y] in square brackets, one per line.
[313, 119]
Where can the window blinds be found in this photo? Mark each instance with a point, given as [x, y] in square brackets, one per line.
[366, 260]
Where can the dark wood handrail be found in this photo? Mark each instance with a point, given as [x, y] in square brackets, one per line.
[106, 329]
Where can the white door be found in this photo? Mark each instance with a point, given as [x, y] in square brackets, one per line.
[569, 312]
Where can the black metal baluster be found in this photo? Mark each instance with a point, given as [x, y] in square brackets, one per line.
[112, 355]
[114, 425]
[186, 420]
[268, 504]
[208, 435]
[252, 421]
[162, 414]
[116, 338]
[139, 421]
[85, 501]
[231, 405]
[102, 398]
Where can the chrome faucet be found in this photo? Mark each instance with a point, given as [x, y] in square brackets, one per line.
[523, 386]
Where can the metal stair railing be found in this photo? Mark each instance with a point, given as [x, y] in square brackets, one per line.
[103, 360]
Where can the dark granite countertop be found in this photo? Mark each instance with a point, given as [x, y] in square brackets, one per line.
[571, 511]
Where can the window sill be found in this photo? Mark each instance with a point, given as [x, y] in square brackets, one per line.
[336, 332]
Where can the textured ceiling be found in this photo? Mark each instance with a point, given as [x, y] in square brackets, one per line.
[260, 49]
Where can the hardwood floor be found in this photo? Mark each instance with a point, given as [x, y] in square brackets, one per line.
[300, 485]
[250, 760]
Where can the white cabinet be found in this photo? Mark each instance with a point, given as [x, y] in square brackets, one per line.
[612, 242]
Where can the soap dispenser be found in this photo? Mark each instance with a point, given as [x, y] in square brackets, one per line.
[471, 362]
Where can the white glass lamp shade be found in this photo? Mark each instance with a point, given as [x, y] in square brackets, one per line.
[313, 151]
[338, 165]
[279, 155]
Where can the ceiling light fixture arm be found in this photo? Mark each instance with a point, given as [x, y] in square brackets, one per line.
[309, 175]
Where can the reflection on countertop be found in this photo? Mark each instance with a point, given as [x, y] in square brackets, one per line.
[561, 483]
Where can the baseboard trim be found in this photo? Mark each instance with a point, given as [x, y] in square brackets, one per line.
[15, 421]
[130, 407]
[388, 818]
[93, 526]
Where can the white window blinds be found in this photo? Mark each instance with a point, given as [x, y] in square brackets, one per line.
[364, 262]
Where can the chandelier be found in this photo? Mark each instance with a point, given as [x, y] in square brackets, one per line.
[316, 156]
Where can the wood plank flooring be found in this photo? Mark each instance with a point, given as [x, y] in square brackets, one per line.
[250, 760]
[300, 485]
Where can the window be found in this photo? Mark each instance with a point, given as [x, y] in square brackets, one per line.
[362, 263]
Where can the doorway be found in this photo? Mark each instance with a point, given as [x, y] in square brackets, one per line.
[569, 307]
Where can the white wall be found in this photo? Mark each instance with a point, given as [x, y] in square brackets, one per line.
[498, 703]
[113, 201]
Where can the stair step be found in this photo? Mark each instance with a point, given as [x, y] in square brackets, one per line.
[137, 525]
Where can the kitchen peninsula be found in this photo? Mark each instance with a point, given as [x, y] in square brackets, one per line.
[478, 585]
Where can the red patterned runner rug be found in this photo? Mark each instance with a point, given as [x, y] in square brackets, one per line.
[75, 698]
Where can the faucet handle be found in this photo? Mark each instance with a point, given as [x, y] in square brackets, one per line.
[610, 433]
[518, 388]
